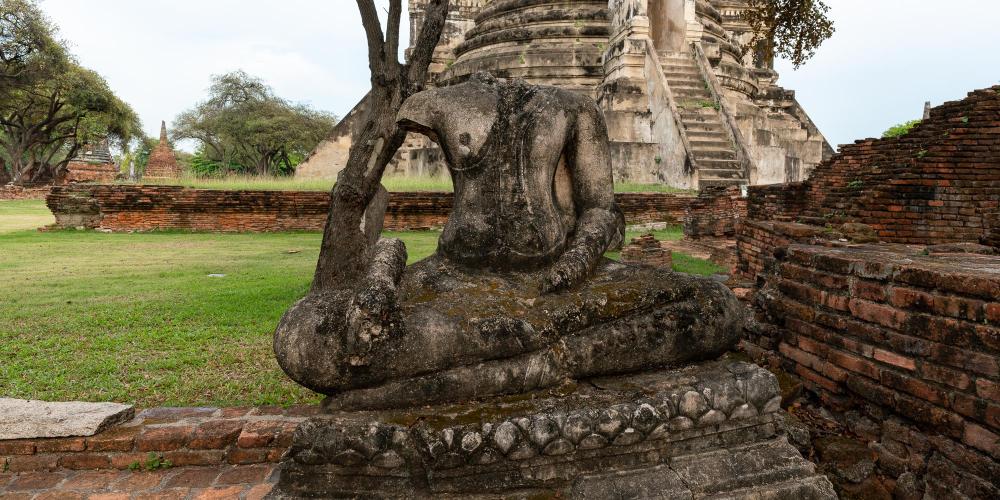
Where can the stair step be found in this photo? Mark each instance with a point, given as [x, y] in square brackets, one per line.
[714, 154]
[702, 185]
[700, 115]
[698, 97]
[714, 174]
[702, 144]
[683, 77]
[704, 127]
[707, 135]
[717, 164]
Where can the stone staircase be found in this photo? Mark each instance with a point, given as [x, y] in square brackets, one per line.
[713, 149]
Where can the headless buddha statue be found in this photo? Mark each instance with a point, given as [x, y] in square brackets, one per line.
[519, 296]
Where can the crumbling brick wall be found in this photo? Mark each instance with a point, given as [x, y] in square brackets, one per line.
[898, 332]
[935, 184]
[146, 208]
[716, 212]
[23, 193]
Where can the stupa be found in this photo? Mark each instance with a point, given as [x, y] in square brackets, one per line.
[93, 163]
[685, 101]
[162, 161]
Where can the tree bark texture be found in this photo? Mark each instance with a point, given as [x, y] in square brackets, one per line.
[347, 248]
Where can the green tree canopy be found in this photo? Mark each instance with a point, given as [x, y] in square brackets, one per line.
[50, 105]
[793, 29]
[244, 126]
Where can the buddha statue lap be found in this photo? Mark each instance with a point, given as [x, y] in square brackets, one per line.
[518, 296]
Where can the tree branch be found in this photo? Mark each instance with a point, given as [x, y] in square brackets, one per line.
[392, 35]
[430, 35]
[373, 31]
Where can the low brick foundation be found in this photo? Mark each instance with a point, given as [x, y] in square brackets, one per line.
[184, 436]
[898, 332]
[145, 208]
[715, 213]
[23, 193]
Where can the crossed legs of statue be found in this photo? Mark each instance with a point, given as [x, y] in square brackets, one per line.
[434, 333]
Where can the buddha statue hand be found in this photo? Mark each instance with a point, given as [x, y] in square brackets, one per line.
[373, 310]
[597, 231]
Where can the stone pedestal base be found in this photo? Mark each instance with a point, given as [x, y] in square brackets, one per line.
[707, 431]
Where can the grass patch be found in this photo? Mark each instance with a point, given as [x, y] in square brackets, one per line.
[136, 318]
[392, 183]
[19, 215]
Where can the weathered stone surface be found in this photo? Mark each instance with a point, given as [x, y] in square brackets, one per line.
[505, 446]
[21, 419]
[518, 296]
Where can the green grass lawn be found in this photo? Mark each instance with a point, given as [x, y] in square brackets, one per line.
[392, 183]
[19, 215]
[136, 318]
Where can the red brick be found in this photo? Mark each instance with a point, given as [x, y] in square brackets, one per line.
[220, 493]
[17, 447]
[878, 313]
[26, 463]
[868, 290]
[981, 438]
[238, 456]
[171, 494]
[195, 458]
[85, 461]
[855, 364]
[60, 445]
[122, 461]
[164, 438]
[894, 359]
[216, 435]
[91, 480]
[993, 313]
[817, 379]
[914, 387]
[259, 434]
[988, 389]
[115, 439]
[36, 481]
[246, 474]
[201, 477]
[59, 495]
[945, 376]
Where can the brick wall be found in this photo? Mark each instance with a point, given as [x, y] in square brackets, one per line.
[716, 212]
[184, 436]
[82, 171]
[23, 193]
[144, 208]
[896, 331]
[934, 185]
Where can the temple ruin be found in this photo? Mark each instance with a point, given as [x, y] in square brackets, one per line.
[686, 105]
[162, 161]
[93, 163]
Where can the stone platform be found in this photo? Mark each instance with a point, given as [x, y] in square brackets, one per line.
[707, 431]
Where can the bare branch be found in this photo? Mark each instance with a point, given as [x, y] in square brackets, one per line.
[430, 34]
[392, 34]
[373, 31]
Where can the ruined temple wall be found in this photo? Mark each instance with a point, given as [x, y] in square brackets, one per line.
[148, 208]
[935, 185]
[912, 340]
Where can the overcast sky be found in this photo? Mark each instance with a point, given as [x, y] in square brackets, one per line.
[886, 59]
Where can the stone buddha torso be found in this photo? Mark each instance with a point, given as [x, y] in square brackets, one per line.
[513, 202]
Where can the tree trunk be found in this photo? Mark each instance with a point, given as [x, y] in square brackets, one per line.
[346, 249]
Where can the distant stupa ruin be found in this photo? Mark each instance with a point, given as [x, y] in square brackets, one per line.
[162, 161]
[93, 163]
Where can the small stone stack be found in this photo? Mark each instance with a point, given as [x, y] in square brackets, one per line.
[93, 164]
[162, 161]
[648, 251]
